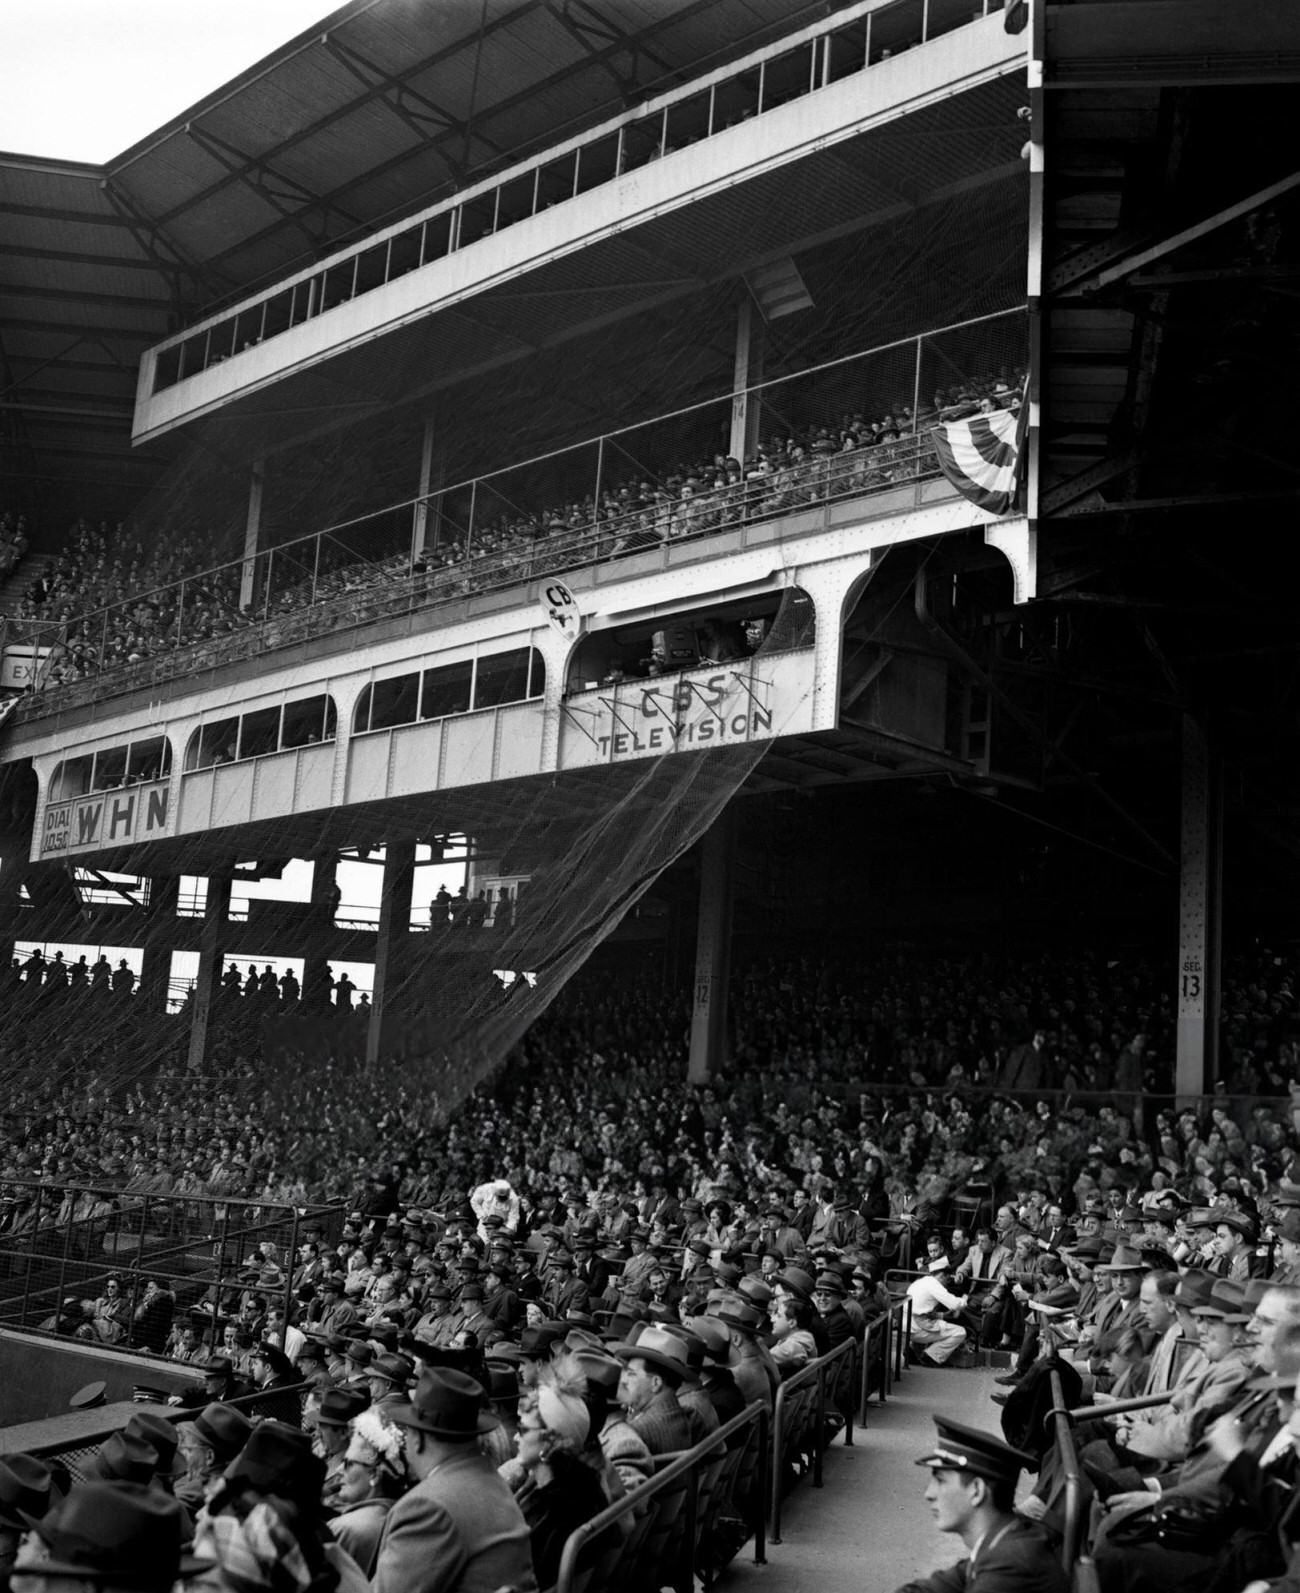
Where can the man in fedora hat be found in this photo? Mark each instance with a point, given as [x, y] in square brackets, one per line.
[120, 1535]
[752, 1368]
[219, 1382]
[459, 1527]
[208, 1444]
[26, 1493]
[1126, 1270]
[972, 1493]
[654, 1368]
[1235, 1239]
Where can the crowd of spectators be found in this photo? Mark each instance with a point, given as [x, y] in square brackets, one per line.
[586, 1262]
[15, 541]
[596, 1088]
[131, 589]
[109, 601]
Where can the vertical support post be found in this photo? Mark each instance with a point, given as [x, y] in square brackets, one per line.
[916, 384]
[420, 520]
[600, 482]
[316, 951]
[159, 938]
[393, 940]
[31, 1257]
[1199, 914]
[1035, 275]
[473, 506]
[713, 951]
[252, 529]
[747, 373]
[215, 914]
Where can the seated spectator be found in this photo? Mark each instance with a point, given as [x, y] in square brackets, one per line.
[264, 1526]
[557, 1483]
[374, 1477]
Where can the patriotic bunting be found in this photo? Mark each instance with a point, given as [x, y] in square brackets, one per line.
[981, 457]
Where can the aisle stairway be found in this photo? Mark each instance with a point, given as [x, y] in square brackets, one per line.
[14, 587]
[869, 1530]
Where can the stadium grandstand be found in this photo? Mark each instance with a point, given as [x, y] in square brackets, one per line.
[648, 744]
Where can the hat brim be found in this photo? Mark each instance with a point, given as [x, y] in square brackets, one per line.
[665, 1363]
[409, 1416]
[736, 1322]
[190, 1565]
[988, 1473]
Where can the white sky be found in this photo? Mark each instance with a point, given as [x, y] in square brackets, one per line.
[358, 882]
[85, 79]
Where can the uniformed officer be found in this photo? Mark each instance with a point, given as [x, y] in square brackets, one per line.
[972, 1492]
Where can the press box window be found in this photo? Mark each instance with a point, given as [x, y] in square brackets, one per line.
[214, 743]
[502, 678]
[149, 760]
[306, 723]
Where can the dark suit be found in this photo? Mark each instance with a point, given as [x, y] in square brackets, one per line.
[565, 1293]
[458, 1531]
[1015, 1558]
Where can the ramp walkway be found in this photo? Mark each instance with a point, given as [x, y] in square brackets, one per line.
[869, 1530]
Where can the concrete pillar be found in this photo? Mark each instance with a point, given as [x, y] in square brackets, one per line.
[252, 530]
[746, 407]
[713, 951]
[1200, 908]
[216, 915]
[159, 942]
[393, 941]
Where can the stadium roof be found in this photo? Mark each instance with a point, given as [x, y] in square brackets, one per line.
[382, 108]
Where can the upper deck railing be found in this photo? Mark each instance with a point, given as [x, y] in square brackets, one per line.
[659, 494]
[856, 39]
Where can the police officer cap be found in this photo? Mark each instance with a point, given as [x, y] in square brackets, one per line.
[960, 1448]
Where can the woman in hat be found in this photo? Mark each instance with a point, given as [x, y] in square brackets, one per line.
[374, 1475]
[265, 1525]
[557, 1479]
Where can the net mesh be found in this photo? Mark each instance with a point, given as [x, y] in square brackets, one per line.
[587, 848]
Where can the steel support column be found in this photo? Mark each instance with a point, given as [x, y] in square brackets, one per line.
[1199, 913]
[252, 530]
[215, 916]
[159, 939]
[394, 939]
[747, 373]
[713, 951]
[425, 525]
[323, 904]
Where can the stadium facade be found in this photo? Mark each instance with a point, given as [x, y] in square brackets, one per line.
[602, 414]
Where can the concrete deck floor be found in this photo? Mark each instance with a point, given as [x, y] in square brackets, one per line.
[869, 1529]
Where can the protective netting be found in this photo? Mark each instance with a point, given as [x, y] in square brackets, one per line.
[587, 846]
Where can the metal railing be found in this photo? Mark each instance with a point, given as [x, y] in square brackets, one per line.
[571, 508]
[824, 53]
[202, 1243]
[877, 1363]
[900, 1332]
[77, 1452]
[686, 1465]
[788, 1411]
[1063, 1434]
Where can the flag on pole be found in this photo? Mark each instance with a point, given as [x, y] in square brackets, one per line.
[981, 456]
